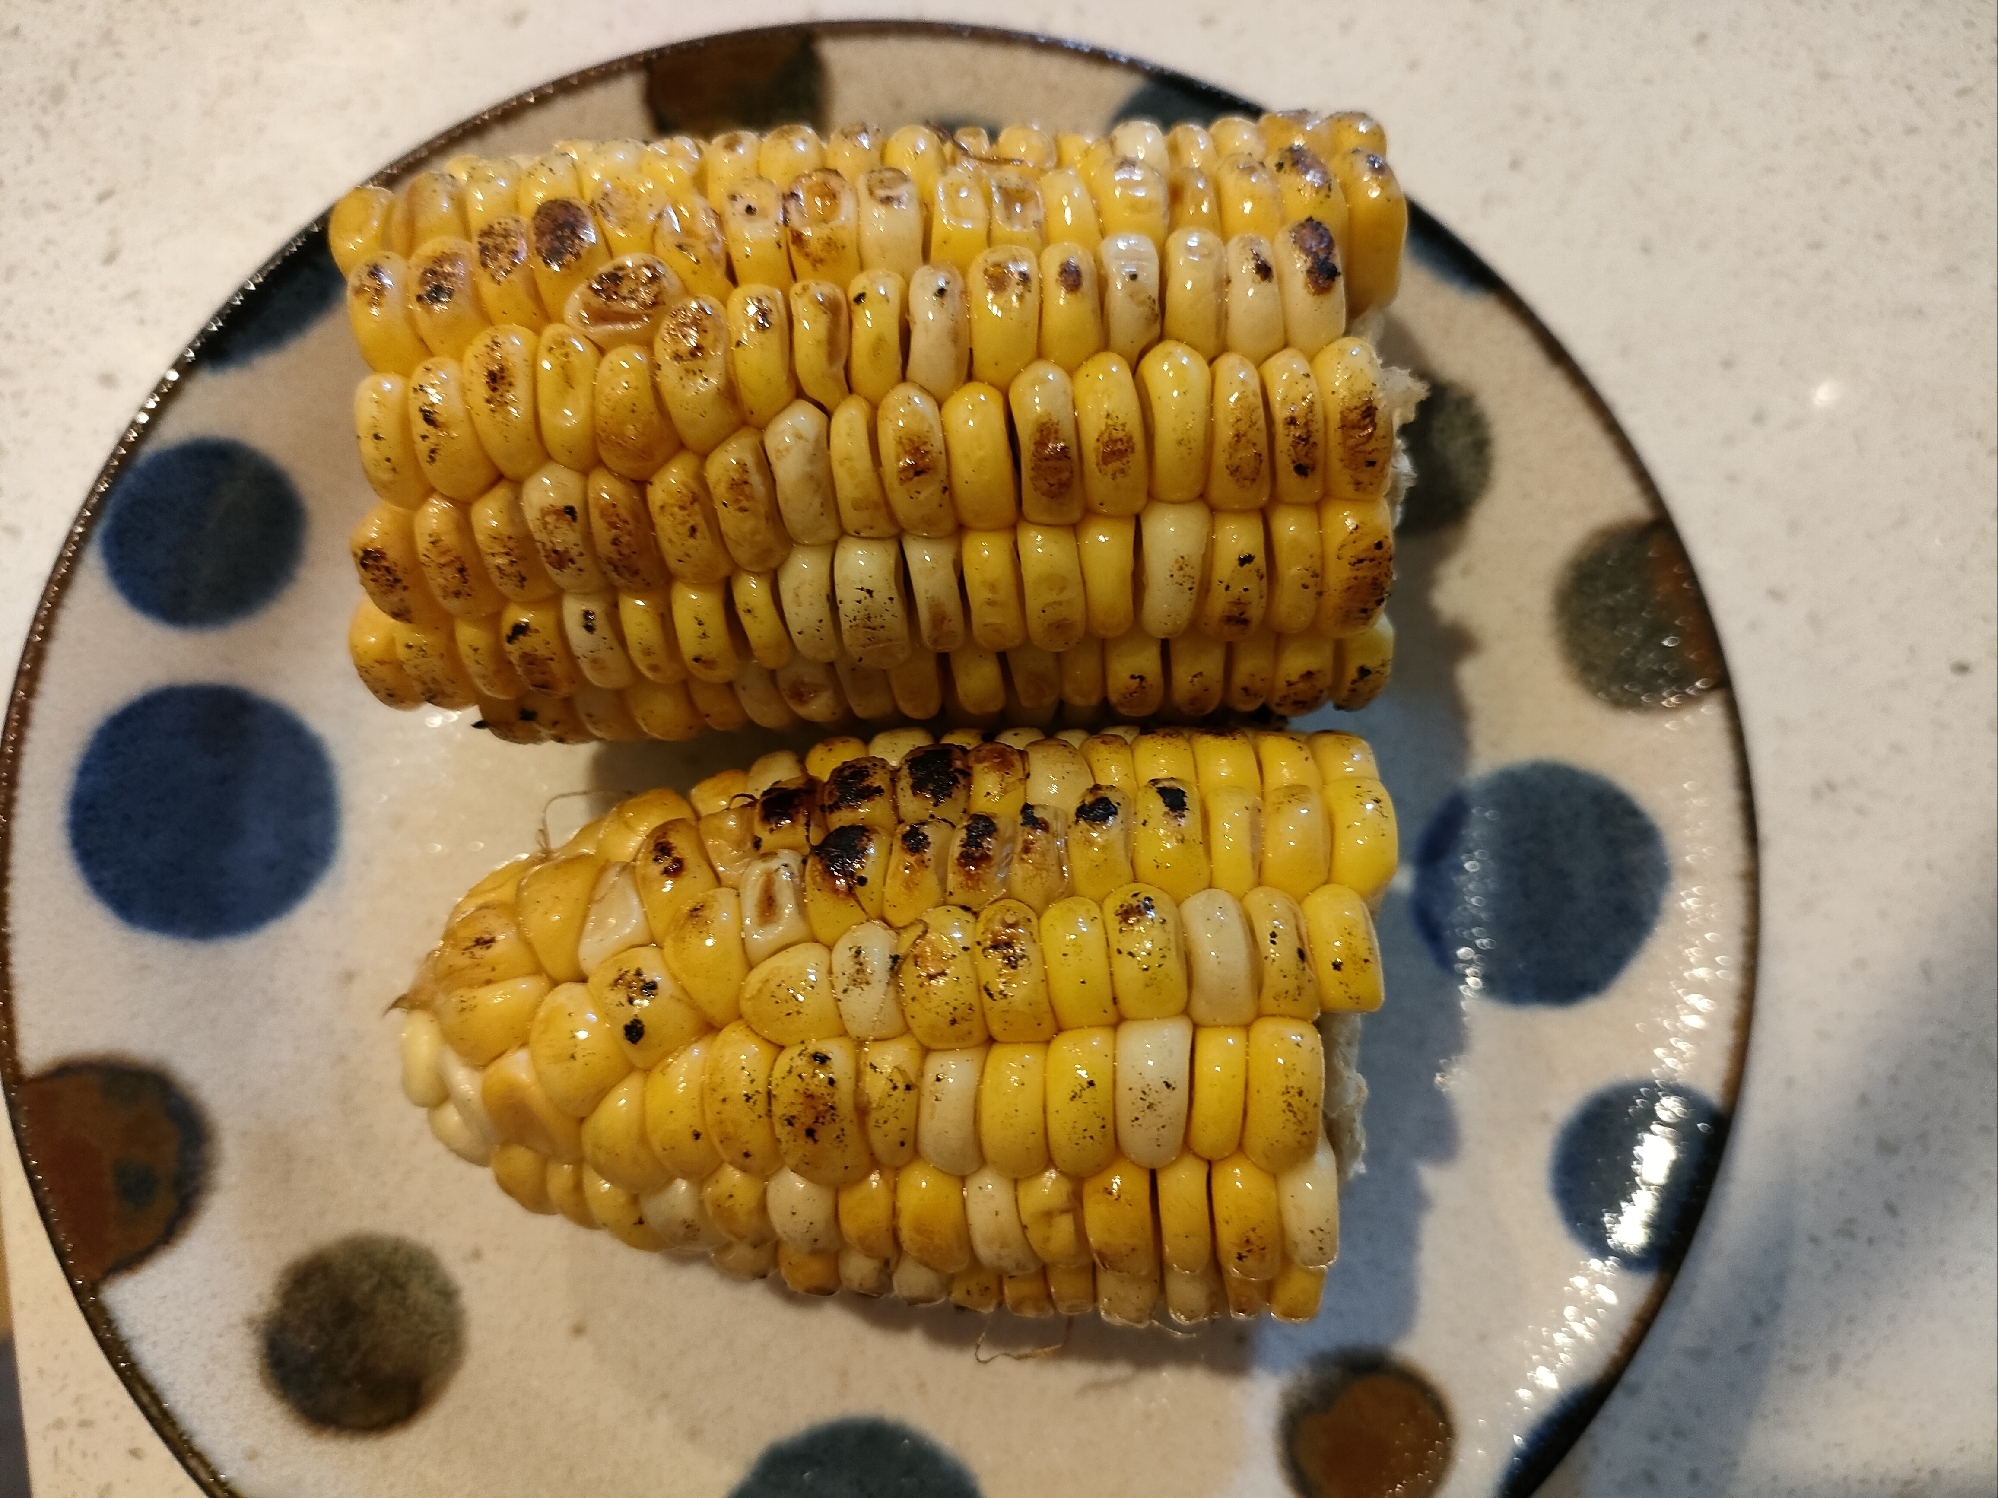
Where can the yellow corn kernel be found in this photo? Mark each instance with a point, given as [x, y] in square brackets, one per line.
[960, 219]
[1281, 1126]
[447, 445]
[1377, 224]
[1003, 294]
[938, 981]
[1238, 475]
[1106, 548]
[1310, 286]
[523, 1175]
[752, 217]
[821, 340]
[1076, 952]
[1192, 285]
[853, 151]
[565, 248]
[1132, 306]
[379, 301]
[389, 455]
[1248, 1228]
[1050, 1206]
[1297, 836]
[814, 1106]
[695, 372]
[1080, 1089]
[639, 999]
[357, 224]
[1147, 956]
[939, 354]
[1110, 426]
[1012, 1110]
[1166, 839]
[1286, 984]
[821, 214]
[760, 352]
[1117, 1212]
[891, 1074]
[443, 304]
[981, 458]
[1186, 1228]
[930, 1220]
[1194, 204]
[745, 503]
[1250, 200]
[1017, 216]
[891, 222]
[518, 1109]
[788, 997]
[1153, 1062]
[483, 1021]
[1345, 957]
[1173, 552]
[576, 1052]
[735, 1100]
[1175, 393]
[1011, 974]
[1364, 839]
[564, 396]
[633, 435]
[736, 1202]
[701, 942]
[553, 903]
[614, 1143]
[1219, 1091]
[1362, 664]
[914, 461]
[866, 1213]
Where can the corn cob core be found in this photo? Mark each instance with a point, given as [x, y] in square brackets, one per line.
[1055, 1021]
[773, 428]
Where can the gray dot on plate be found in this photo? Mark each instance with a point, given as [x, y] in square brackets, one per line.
[1634, 623]
[363, 1332]
[1450, 443]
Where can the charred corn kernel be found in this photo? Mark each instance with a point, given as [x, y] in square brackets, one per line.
[745, 503]
[622, 533]
[428, 653]
[1308, 1203]
[554, 503]
[688, 239]
[621, 306]
[684, 524]
[447, 446]
[1287, 984]
[1028, 145]
[1286, 1091]
[1141, 140]
[1365, 842]
[1147, 953]
[638, 996]
[939, 351]
[844, 880]
[1345, 958]
[821, 215]
[725, 161]
[1110, 427]
[1297, 431]
[1310, 285]
[760, 352]
[1132, 306]
[389, 455]
[1376, 226]
[1173, 553]
[917, 860]
[1359, 428]
[696, 374]
[914, 462]
[1011, 974]
[1100, 843]
[815, 1108]
[1017, 216]
[379, 302]
[448, 557]
[1248, 1227]
[1238, 475]
[443, 304]
[890, 222]
[1255, 301]
[504, 276]
[565, 248]
[1166, 847]
[930, 1221]
[1106, 550]
[1305, 666]
[1361, 665]
[980, 852]
[1154, 1058]
[933, 780]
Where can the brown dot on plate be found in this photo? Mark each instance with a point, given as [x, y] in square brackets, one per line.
[1361, 1426]
[363, 1333]
[751, 81]
[1633, 621]
[122, 1156]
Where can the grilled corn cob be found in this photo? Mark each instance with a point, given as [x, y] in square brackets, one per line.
[1060, 1021]
[686, 435]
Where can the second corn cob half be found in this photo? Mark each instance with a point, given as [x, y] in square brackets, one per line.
[768, 428]
[1061, 1023]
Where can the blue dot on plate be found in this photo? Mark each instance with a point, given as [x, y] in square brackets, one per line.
[1630, 1164]
[202, 533]
[861, 1457]
[1538, 882]
[296, 293]
[203, 811]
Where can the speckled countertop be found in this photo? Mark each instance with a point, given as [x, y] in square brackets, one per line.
[1766, 235]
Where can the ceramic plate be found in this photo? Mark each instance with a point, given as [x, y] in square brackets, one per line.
[223, 860]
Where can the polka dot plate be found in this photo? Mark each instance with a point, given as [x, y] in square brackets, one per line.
[223, 860]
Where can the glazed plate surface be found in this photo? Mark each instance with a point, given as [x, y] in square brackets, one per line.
[223, 860]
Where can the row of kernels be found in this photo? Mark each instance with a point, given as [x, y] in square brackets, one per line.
[1103, 433]
[563, 214]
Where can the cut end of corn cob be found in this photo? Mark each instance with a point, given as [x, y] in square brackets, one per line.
[1063, 1023]
[680, 436]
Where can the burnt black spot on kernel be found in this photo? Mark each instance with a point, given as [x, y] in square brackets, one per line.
[977, 844]
[1030, 817]
[519, 630]
[1260, 266]
[1172, 797]
[785, 805]
[363, 1333]
[562, 232]
[915, 838]
[843, 854]
[854, 785]
[634, 1030]
[1320, 253]
[937, 772]
[1070, 275]
[1098, 813]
